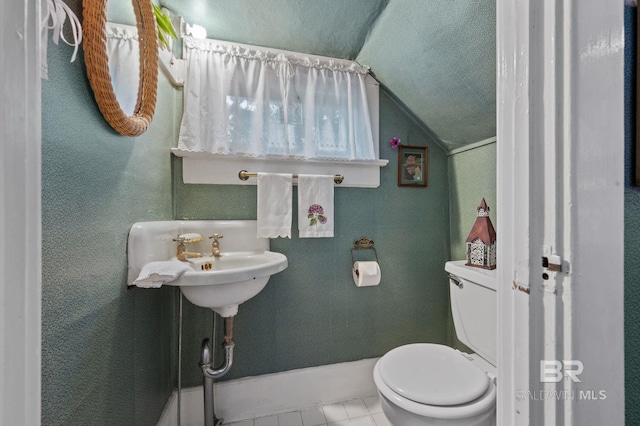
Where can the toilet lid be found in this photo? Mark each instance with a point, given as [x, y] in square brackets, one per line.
[432, 374]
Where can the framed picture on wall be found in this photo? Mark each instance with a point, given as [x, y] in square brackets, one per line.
[412, 165]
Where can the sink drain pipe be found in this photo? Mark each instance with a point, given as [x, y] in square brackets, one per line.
[210, 373]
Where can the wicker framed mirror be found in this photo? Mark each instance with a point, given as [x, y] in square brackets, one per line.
[97, 62]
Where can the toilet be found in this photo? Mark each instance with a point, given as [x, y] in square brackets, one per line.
[432, 384]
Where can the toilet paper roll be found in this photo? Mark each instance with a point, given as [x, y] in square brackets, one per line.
[366, 273]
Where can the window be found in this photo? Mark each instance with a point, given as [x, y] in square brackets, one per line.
[244, 102]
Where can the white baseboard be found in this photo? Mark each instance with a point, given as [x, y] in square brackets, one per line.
[277, 393]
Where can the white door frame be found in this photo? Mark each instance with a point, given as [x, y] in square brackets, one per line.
[20, 213]
[560, 193]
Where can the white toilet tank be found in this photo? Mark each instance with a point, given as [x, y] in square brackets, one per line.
[474, 304]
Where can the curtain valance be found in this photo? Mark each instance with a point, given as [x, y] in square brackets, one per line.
[253, 102]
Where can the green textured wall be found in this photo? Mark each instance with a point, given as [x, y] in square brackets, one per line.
[631, 304]
[472, 176]
[439, 58]
[312, 313]
[107, 353]
[337, 29]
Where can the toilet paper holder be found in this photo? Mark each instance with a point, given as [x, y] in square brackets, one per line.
[364, 243]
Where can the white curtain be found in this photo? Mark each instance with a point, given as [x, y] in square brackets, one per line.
[255, 103]
[123, 50]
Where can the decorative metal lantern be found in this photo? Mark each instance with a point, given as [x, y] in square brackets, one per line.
[481, 243]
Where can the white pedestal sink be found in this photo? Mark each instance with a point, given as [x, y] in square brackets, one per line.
[220, 282]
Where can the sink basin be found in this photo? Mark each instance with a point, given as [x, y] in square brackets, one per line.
[222, 283]
[219, 283]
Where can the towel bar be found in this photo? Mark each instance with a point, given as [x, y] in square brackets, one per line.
[244, 175]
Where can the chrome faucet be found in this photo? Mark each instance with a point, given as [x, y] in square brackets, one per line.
[215, 246]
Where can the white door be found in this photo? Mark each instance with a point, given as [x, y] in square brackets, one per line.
[20, 284]
[560, 198]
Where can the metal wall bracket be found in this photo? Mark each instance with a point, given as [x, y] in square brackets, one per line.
[364, 243]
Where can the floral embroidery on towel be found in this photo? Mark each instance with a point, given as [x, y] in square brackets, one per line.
[316, 214]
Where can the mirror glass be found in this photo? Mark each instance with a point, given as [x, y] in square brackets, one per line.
[123, 51]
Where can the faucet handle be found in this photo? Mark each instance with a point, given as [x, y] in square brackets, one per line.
[215, 246]
[190, 237]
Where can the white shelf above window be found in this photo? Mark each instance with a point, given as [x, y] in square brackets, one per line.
[204, 168]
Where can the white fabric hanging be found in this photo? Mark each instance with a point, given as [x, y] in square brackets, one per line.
[123, 50]
[56, 15]
[255, 103]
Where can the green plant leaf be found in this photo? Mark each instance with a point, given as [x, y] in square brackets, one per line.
[165, 27]
[163, 41]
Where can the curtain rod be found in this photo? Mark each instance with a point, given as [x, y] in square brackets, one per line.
[244, 175]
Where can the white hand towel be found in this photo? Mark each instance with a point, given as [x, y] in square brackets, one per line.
[154, 274]
[274, 205]
[315, 206]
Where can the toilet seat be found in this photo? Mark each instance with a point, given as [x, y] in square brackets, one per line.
[432, 374]
[485, 401]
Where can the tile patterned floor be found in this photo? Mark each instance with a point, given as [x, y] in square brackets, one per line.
[359, 412]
